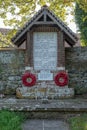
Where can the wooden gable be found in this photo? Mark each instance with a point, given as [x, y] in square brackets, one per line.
[47, 18]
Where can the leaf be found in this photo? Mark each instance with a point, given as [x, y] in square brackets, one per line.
[81, 20]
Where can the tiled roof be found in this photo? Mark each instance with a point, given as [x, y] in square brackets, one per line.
[59, 22]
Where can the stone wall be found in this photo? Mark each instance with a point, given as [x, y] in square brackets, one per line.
[12, 66]
[76, 64]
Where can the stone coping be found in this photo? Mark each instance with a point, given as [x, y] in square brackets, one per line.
[60, 105]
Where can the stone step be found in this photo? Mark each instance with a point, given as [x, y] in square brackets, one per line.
[65, 105]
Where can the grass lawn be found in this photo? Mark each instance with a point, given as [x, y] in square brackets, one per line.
[78, 123]
[10, 120]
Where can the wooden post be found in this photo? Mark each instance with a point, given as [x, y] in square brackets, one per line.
[28, 50]
[61, 50]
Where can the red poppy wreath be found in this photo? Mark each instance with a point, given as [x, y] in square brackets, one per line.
[61, 79]
[29, 79]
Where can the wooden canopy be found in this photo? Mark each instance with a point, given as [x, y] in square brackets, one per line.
[47, 18]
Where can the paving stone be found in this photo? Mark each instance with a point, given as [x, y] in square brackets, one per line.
[45, 124]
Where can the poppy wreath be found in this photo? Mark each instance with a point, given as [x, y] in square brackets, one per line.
[29, 79]
[61, 79]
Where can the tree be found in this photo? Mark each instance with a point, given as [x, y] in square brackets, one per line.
[22, 10]
[81, 20]
[82, 4]
[5, 40]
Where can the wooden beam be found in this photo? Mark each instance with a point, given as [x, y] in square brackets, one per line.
[28, 47]
[44, 23]
[63, 27]
[69, 41]
[45, 16]
[20, 41]
[61, 50]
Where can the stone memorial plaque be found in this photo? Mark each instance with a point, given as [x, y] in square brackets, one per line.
[45, 50]
[45, 75]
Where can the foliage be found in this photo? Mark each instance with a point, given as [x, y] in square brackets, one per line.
[10, 120]
[81, 20]
[22, 10]
[82, 4]
[4, 40]
[79, 122]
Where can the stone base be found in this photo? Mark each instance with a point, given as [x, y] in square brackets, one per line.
[51, 92]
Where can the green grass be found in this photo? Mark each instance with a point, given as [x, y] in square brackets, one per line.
[78, 123]
[13, 120]
[10, 120]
